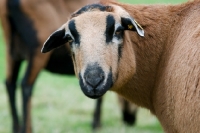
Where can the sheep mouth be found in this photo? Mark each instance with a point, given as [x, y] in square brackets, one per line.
[95, 92]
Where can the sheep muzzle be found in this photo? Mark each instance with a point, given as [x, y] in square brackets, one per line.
[94, 82]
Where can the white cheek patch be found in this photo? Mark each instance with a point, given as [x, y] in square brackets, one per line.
[106, 77]
[73, 48]
[117, 25]
[82, 75]
[116, 40]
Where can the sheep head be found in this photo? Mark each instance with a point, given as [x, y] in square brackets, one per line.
[96, 34]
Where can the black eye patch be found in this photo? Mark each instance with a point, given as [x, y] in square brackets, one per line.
[110, 27]
[74, 32]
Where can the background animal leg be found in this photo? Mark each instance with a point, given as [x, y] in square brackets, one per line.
[129, 111]
[11, 91]
[97, 114]
[26, 98]
[35, 65]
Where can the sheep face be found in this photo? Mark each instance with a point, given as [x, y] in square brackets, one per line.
[98, 51]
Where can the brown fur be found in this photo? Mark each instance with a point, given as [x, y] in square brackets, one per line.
[167, 64]
[159, 71]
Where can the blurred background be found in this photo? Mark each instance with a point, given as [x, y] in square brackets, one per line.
[59, 106]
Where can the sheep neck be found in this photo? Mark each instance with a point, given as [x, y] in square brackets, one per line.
[157, 21]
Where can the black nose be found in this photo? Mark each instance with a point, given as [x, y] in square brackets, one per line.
[95, 82]
[94, 77]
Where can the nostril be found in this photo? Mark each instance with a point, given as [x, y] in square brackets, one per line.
[102, 75]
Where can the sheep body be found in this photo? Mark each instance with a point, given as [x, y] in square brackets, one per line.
[159, 71]
[167, 65]
[168, 62]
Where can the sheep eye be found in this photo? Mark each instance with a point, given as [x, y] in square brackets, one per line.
[70, 41]
[68, 38]
[119, 30]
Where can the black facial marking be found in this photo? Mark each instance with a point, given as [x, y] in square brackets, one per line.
[120, 51]
[119, 33]
[110, 27]
[109, 79]
[76, 35]
[91, 7]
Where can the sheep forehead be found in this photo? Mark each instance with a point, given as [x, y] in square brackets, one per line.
[93, 23]
[94, 19]
[91, 27]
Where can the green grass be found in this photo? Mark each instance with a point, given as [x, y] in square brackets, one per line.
[59, 106]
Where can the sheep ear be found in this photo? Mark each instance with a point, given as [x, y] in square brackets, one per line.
[55, 40]
[130, 24]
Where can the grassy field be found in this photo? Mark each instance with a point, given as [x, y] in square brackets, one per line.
[59, 106]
